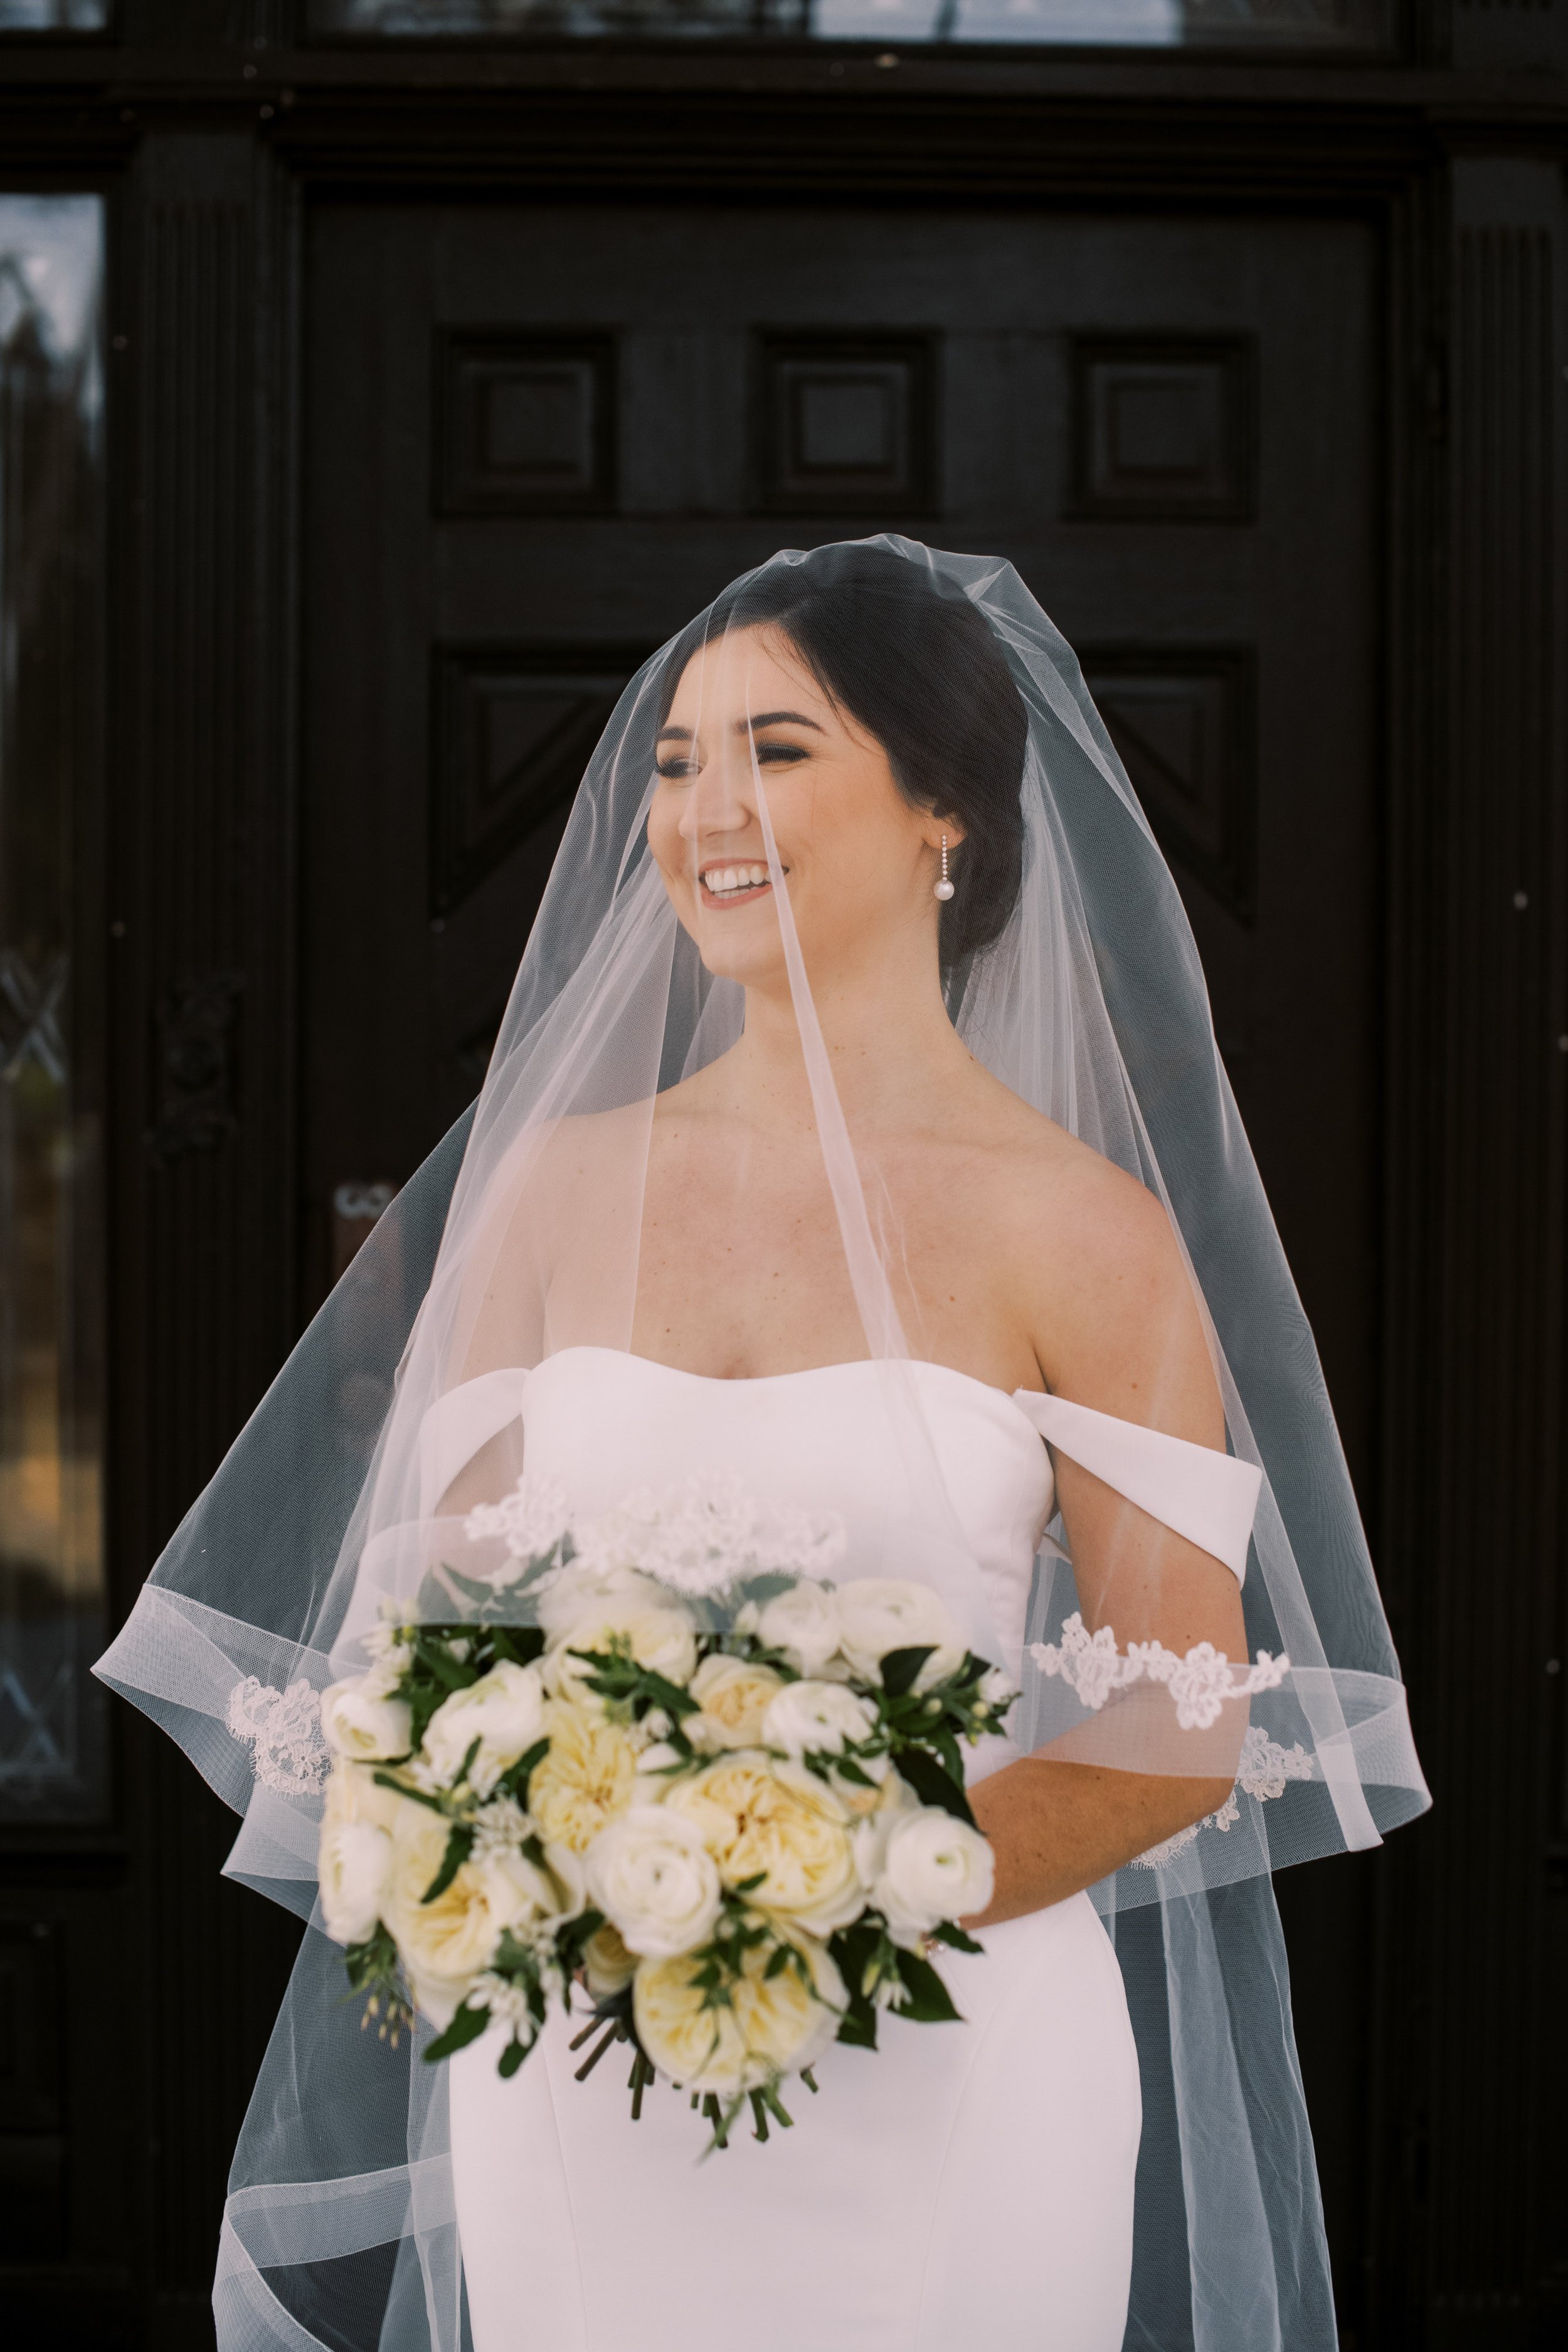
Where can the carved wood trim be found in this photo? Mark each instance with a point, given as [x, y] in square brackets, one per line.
[201, 862]
[1471, 1525]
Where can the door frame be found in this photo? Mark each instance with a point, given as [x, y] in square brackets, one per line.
[210, 168]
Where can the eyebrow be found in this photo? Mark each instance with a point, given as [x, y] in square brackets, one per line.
[761, 719]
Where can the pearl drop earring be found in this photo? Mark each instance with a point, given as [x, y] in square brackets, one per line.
[945, 888]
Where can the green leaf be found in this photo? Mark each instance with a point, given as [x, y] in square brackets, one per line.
[519, 1643]
[456, 1673]
[931, 1785]
[513, 1781]
[511, 2058]
[470, 1587]
[386, 1780]
[900, 1668]
[926, 1998]
[948, 1931]
[465, 2027]
[459, 1845]
[857, 2026]
[854, 1949]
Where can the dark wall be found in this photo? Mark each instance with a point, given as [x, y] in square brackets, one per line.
[1435, 2049]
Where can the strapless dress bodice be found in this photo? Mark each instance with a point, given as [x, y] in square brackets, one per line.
[861, 1440]
[822, 1440]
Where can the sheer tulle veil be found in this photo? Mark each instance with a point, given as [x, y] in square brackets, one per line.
[1090, 1005]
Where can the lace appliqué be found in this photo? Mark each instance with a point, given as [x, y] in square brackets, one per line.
[282, 1729]
[1265, 1768]
[1091, 1665]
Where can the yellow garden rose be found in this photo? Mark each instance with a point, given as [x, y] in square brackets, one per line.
[589, 1776]
[757, 1814]
[589, 1614]
[734, 1695]
[445, 1944]
[768, 2027]
[606, 1963]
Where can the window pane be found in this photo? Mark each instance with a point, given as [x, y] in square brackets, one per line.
[1292, 25]
[51, 490]
[53, 17]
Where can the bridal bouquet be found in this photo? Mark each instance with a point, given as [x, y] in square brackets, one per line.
[720, 1793]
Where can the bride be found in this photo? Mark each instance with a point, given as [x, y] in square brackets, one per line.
[856, 1130]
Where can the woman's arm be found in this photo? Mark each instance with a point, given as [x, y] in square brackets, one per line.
[1118, 1327]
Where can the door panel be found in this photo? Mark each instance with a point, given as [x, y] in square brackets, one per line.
[541, 437]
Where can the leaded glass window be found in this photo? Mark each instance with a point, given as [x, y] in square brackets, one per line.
[51, 1290]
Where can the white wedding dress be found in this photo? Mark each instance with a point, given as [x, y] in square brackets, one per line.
[966, 2185]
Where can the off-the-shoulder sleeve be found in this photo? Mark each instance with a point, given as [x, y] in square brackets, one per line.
[458, 1423]
[1207, 1496]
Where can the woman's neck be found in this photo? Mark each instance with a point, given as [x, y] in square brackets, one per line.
[889, 1045]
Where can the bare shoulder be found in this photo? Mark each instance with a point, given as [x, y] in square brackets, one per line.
[1100, 1275]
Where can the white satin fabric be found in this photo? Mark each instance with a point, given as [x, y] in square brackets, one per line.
[969, 2183]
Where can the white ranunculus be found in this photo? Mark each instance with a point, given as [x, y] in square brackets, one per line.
[892, 1801]
[819, 1718]
[802, 1623]
[504, 1711]
[581, 1592]
[879, 1613]
[354, 1863]
[935, 1867]
[653, 1877]
[360, 1720]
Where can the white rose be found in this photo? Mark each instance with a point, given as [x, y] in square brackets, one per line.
[997, 1688]
[652, 1876]
[935, 1867]
[354, 1863]
[504, 1711]
[879, 1614]
[802, 1623]
[360, 1720]
[821, 1719]
[734, 1695]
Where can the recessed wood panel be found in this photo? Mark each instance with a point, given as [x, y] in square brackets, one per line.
[1163, 430]
[514, 730]
[1182, 724]
[525, 424]
[845, 423]
[32, 2117]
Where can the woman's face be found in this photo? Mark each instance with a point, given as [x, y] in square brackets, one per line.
[749, 720]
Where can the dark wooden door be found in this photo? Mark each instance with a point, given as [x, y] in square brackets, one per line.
[539, 438]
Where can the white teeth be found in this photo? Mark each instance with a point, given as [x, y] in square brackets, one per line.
[723, 879]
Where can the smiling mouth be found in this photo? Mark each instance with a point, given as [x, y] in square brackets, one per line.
[734, 885]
